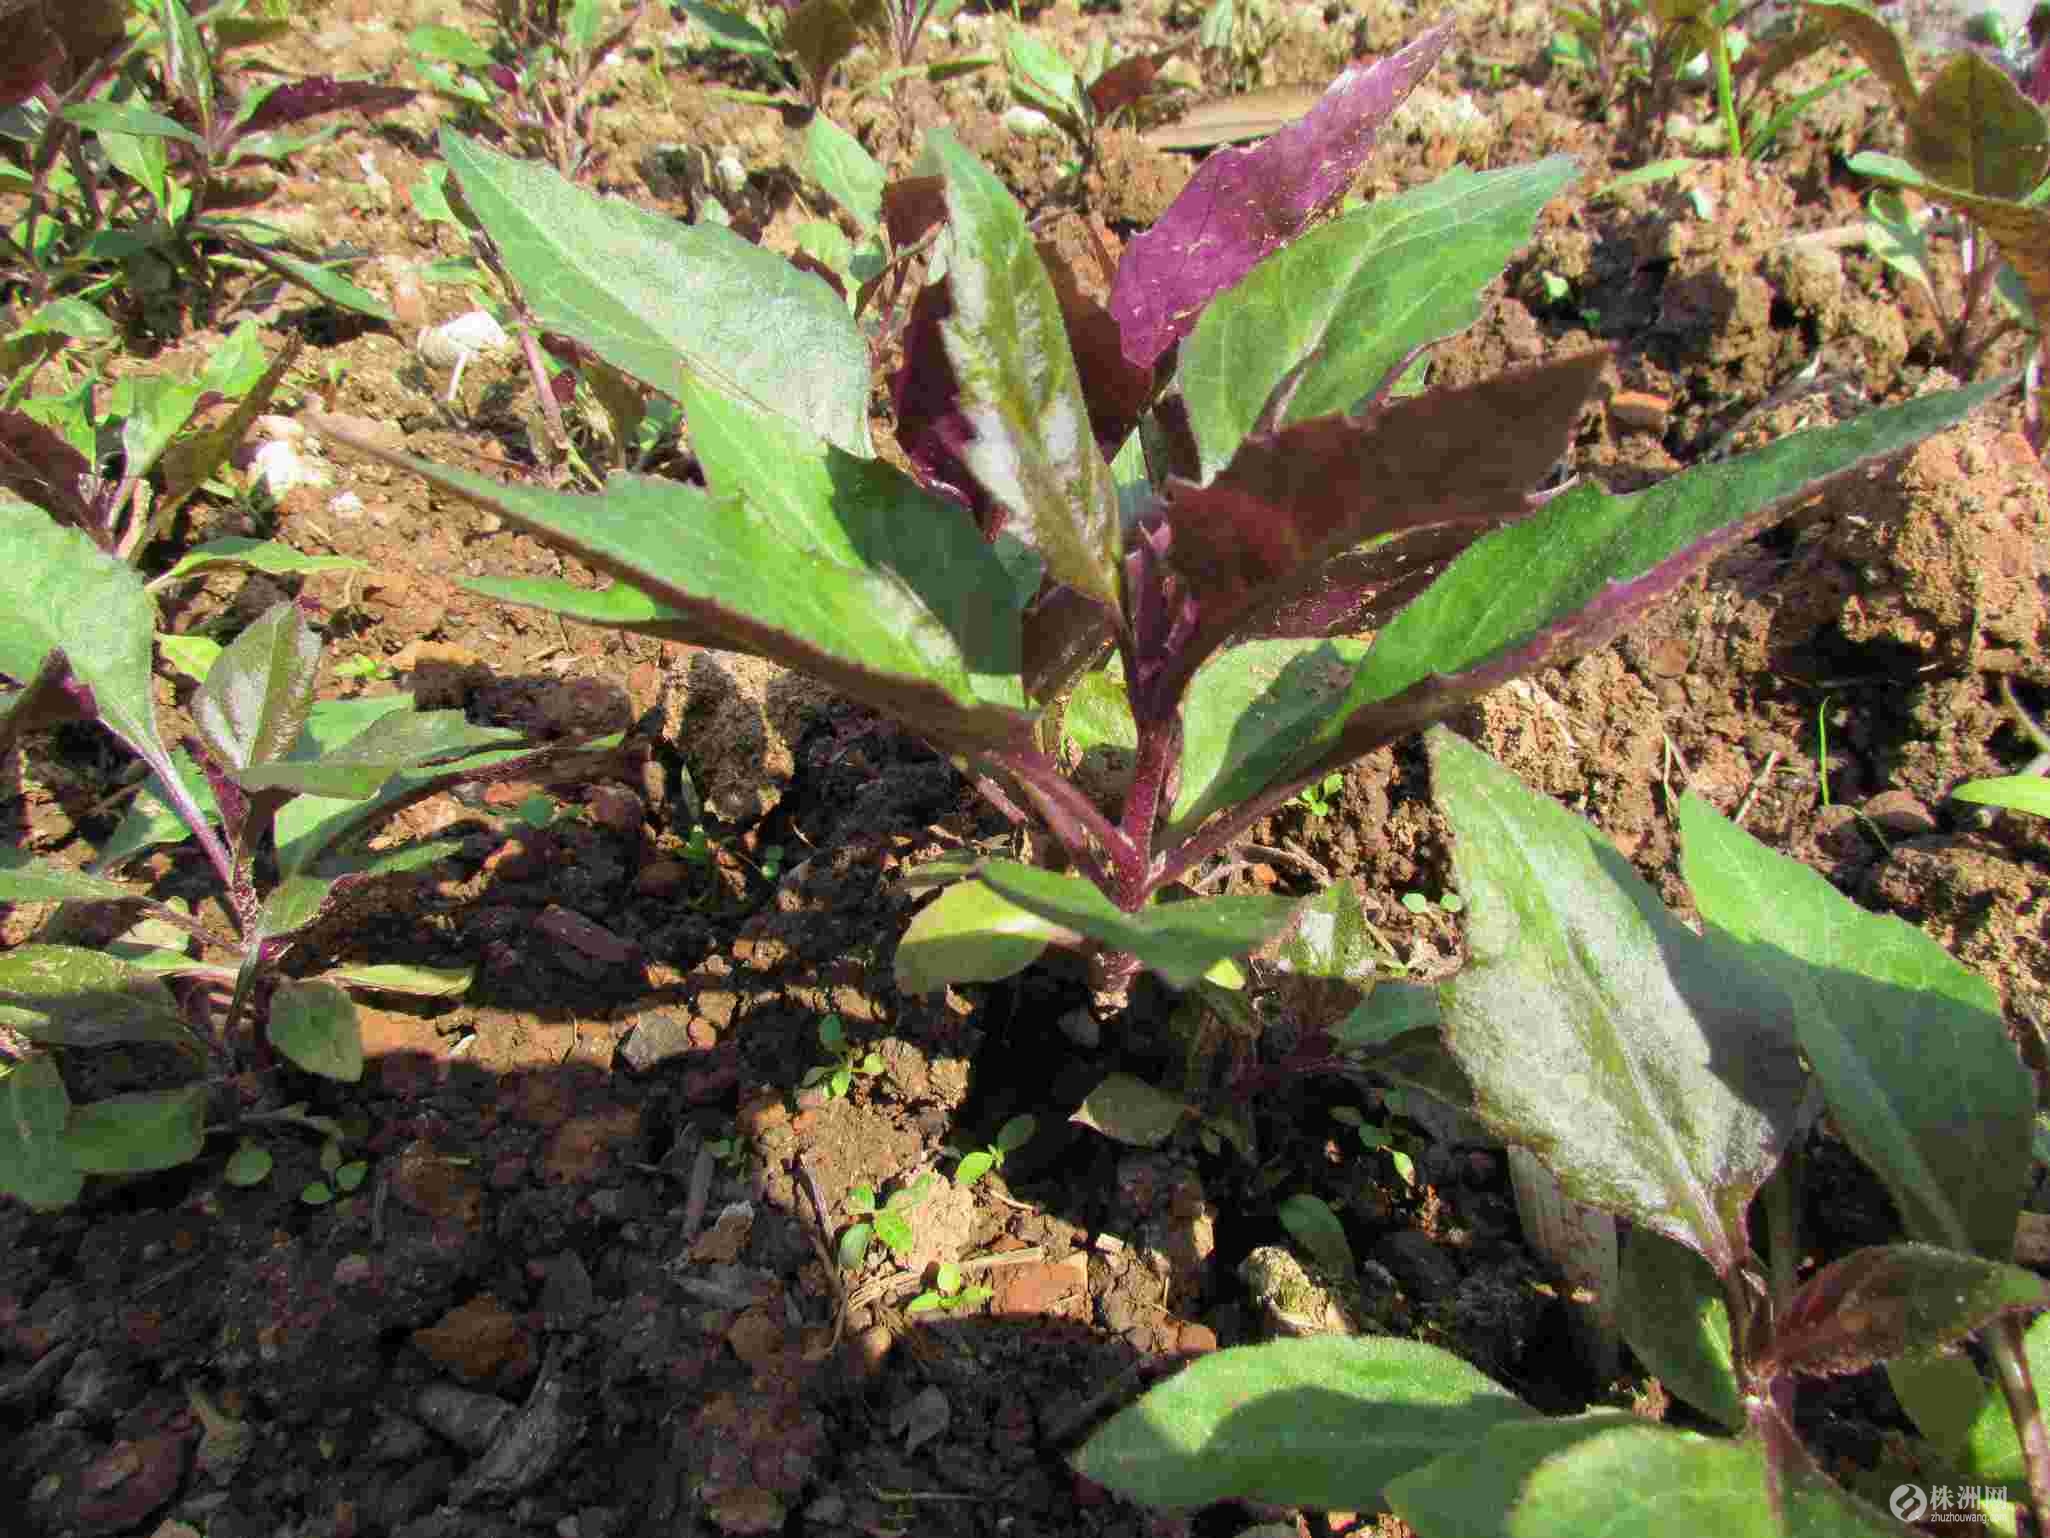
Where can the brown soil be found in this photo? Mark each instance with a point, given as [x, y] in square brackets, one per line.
[553, 1308]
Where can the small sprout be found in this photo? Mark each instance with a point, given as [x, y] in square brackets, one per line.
[363, 669]
[848, 1060]
[697, 848]
[772, 862]
[350, 1175]
[1321, 799]
[1376, 1139]
[316, 1193]
[947, 1293]
[1012, 1136]
[538, 810]
[1556, 288]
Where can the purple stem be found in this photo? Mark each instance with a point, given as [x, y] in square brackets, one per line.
[2012, 1363]
[1074, 819]
[1158, 742]
[1215, 837]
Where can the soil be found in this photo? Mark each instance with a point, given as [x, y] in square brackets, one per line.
[584, 1289]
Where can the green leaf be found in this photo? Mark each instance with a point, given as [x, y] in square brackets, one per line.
[1351, 299]
[1611, 1472]
[1042, 79]
[970, 934]
[257, 695]
[895, 1230]
[1896, 236]
[76, 997]
[192, 655]
[1098, 715]
[2016, 792]
[1943, 1395]
[1032, 446]
[849, 174]
[315, 1025]
[395, 742]
[134, 1134]
[854, 1245]
[1129, 1110]
[1654, 1079]
[407, 977]
[1877, 1002]
[861, 1199]
[1250, 709]
[105, 117]
[35, 1165]
[1893, 1300]
[249, 1165]
[974, 1166]
[731, 32]
[865, 631]
[63, 594]
[1390, 1011]
[667, 302]
[1180, 941]
[151, 820]
[26, 879]
[265, 555]
[1992, 1452]
[457, 47]
[1016, 1133]
[1312, 1224]
[1323, 1423]
[317, 277]
[1671, 1311]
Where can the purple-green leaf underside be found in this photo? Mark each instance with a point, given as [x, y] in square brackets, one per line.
[1323, 1423]
[260, 689]
[865, 631]
[1030, 445]
[1586, 565]
[1893, 1300]
[1180, 941]
[1654, 1081]
[1293, 500]
[1242, 204]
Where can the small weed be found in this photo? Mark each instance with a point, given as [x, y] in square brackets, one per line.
[1377, 1140]
[890, 1222]
[947, 1293]
[1321, 799]
[848, 1060]
[1012, 1136]
[364, 669]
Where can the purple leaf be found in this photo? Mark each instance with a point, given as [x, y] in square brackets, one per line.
[1242, 204]
[302, 99]
[931, 427]
[1265, 531]
[40, 467]
[1115, 390]
[1894, 1300]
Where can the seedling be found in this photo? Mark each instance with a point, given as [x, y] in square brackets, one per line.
[1158, 525]
[848, 1060]
[273, 772]
[1012, 1136]
[730, 1151]
[364, 668]
[1321, 799]
[891, 1222]
[1376, 1140]
[947, 1294]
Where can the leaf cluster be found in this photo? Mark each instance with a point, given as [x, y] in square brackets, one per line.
[847, 1060]
[1671, 1078]
[889, 1221]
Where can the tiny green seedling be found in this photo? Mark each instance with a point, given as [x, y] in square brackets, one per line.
[1377, 1140]
[540, 811]
[947, 1294]
[848, 1060]
[1321, 799]
[343, 1176]
[1012, 1136]
[363, 669]
[729, 1151]
[697, 848]
[890, 1222]
[771, 865]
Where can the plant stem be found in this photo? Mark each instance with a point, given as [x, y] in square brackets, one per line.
[1159, 745]
[1726, 92]
[2004, 1339]
[1072, 816]
[1780, 1207]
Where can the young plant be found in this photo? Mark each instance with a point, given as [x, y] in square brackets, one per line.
[1682, 1102]
[272, 771]
[847, 1060]
[890, 1222]
[1376, 1140]
[1011, 1136]
[1077, 101]
[947, 1294]
[1321, 799]
[1155, 526]
[166, 129]
[534, 90]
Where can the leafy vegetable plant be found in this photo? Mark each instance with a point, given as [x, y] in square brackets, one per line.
[1148, 530]
[280, 793]
[168, 129]
[1672, 1078]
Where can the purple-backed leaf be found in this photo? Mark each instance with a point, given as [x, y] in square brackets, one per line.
[1242, 204]
[913, 207]
[1064, 634]
[1264, 531]
[1655, 1081]
[1973, 129]
[1587, 565]
[1030, 445]
[34, 57]
[390, 745]
[1115, 390]
[925, 398]
[257, 694]
[1126, 81]
[39, 466]
[1894, 1300]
